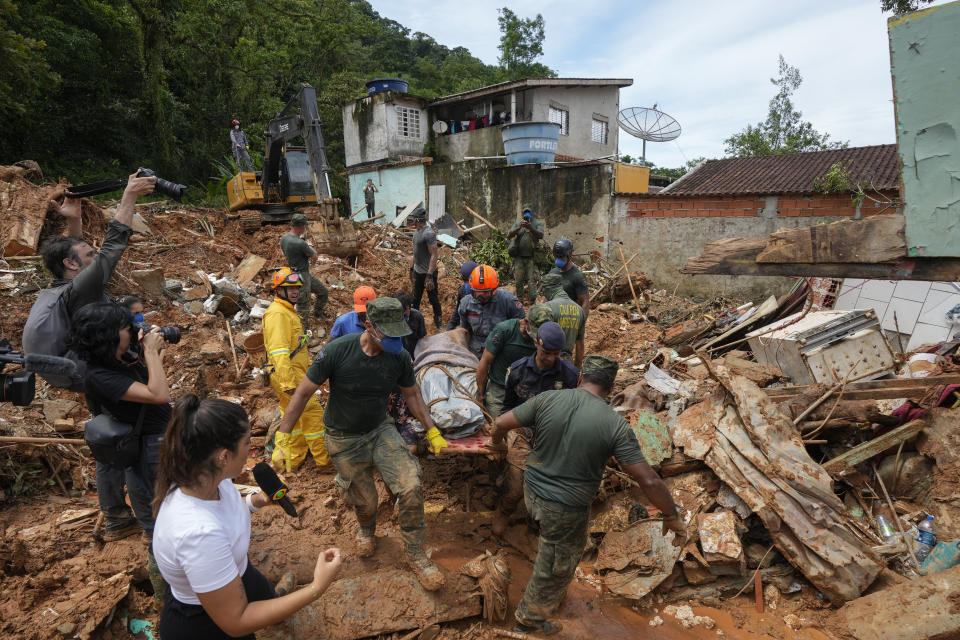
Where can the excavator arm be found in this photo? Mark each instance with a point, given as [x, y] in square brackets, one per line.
[286, 126]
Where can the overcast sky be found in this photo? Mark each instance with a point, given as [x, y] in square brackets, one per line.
[705, 63]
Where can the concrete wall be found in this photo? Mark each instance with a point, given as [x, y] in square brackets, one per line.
[925, 64]
[370, 130]
[480, 143]
[398, 186]
[583, 103]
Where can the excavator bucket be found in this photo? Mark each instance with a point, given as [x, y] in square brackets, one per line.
[330, 233]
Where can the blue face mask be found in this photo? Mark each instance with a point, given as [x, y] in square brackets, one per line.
[467, 285]
[560, 262]
[391, 345]
[138, 318]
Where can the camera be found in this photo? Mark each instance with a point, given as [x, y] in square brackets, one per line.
[169, 334]
[167, 188]
[18, 387]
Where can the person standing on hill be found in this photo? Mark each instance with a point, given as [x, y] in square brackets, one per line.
[239, 146]
[369, 190]
[525, 234]
[425, 262]
[298, 254]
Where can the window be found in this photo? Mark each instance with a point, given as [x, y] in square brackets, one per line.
[561, 117]
[408, 122]
[598, 131]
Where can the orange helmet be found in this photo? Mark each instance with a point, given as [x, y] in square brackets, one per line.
[484, 278]
[286, 277]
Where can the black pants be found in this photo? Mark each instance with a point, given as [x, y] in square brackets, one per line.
[179, 621]
[419, 282]
[369, 209]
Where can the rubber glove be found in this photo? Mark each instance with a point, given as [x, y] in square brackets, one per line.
[281, 451]
[437, 443]
[248, 147]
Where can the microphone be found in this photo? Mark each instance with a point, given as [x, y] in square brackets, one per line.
[275, 488]
[49, 365]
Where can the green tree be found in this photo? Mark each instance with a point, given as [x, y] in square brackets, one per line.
[521, 43]
[25, 72]
[784, 130]
[900, 7]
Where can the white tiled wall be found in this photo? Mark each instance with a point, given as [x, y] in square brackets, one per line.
[920, 307]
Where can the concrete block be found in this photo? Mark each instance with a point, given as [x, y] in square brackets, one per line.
[257, 312]
[150, 280]
[195, 293]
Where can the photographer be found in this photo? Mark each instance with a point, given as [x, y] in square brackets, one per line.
[79, 276]
[203, 531]
[124, 379]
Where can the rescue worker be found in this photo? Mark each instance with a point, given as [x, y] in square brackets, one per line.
[465, 270]
[573, 281]
[566, 313]
[542, 371]
[575, 433]
[425, 263]
[362, 370]
[352, 321]
[240, 146]
[486, 306]
[507, 342]
[298, 254]
[287, 354]
[528, 232]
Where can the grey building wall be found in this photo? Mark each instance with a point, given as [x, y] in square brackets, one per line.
[370, 129]
[583, 104]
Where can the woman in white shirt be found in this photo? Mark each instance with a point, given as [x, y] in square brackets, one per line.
[203, 531]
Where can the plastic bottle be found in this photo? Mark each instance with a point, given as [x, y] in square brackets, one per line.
[926, 538]
[886, 529]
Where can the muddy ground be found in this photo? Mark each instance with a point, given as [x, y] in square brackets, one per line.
[56, 580]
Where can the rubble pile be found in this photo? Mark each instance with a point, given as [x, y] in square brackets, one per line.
[799, 496]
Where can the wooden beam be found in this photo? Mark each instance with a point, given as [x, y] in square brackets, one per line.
[876, 239]
[480, 218]
[846, 461]
[888, 383]
[28, 440]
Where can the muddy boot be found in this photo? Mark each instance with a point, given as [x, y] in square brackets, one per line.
[427, 572]
[366, 542]
[500, 522]
[287, 583]
[545, 628]
[120, 532]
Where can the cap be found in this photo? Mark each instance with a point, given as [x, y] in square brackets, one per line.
[538, 314]
[600, 367]
[551, 284]
[551, 336]
[361, 297]
[419, 213]
[467, 268]
[527, 210]
[386, 314]
[298, 220]
[235, 121]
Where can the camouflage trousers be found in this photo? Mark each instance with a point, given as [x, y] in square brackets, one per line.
[526, 276]
[563, 534]
[355, 455]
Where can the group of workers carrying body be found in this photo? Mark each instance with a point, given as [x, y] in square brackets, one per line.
[550, 417]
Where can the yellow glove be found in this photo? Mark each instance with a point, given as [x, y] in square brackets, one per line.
[437, 443]
[248, 147]
[281, 451]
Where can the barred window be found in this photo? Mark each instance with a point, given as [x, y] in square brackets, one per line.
[408, 122]
[598, 131]
[560, 117]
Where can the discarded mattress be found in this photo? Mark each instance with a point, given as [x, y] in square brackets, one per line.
[447, 374]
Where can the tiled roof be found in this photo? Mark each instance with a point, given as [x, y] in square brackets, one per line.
[788, 173]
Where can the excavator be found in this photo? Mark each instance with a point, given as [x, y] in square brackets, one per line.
[293, 176]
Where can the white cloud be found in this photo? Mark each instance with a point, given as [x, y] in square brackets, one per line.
[705, 63]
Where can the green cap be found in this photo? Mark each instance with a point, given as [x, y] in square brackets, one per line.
[298, 220]
[600, 367]
[551, 285]
[386, 314]
[538, 314]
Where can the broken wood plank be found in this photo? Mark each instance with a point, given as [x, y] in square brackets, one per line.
[875, 239]
[848, 460]
[407, 210]
[480, 218]
[248, 268]
[900, 384]
[719, 251]
[28, 440]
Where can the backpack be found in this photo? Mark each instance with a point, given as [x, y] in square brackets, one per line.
[45, 332]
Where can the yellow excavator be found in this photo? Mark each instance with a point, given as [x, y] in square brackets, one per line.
[293, 176]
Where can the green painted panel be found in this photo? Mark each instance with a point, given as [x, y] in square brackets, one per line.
[925, 64]
[653, 435]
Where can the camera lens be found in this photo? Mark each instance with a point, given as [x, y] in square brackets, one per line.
[170, 334]
[171, 189]
[18, 388]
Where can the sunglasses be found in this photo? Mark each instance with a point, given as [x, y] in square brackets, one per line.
[293, 278]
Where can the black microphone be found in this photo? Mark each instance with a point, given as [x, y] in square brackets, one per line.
[275, 488]
[49, 365]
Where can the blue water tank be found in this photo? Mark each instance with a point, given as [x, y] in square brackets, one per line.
[530, 142]
[379, 85]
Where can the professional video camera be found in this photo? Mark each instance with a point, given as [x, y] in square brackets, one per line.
[19, 387]
[167, 188]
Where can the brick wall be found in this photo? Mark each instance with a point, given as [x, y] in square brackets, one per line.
[788, 205]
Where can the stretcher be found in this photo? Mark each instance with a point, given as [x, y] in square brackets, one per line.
[471, 445]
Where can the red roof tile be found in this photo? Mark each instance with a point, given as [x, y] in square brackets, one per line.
[788, 173]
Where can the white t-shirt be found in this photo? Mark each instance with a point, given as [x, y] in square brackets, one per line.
[201, 545]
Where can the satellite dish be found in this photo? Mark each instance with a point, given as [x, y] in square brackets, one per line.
[439, 126]
[648, 123]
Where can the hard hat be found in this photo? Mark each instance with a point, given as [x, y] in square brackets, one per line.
[235, 122]
[484, 279]
[563, 247]
[285, 277]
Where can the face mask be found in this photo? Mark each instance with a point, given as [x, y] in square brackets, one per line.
[467, 285]
[236, 126]
[137, 318]
[560, 262]
[392, 345]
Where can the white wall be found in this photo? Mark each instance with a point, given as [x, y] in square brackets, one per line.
[582, 103]
[370, 129]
